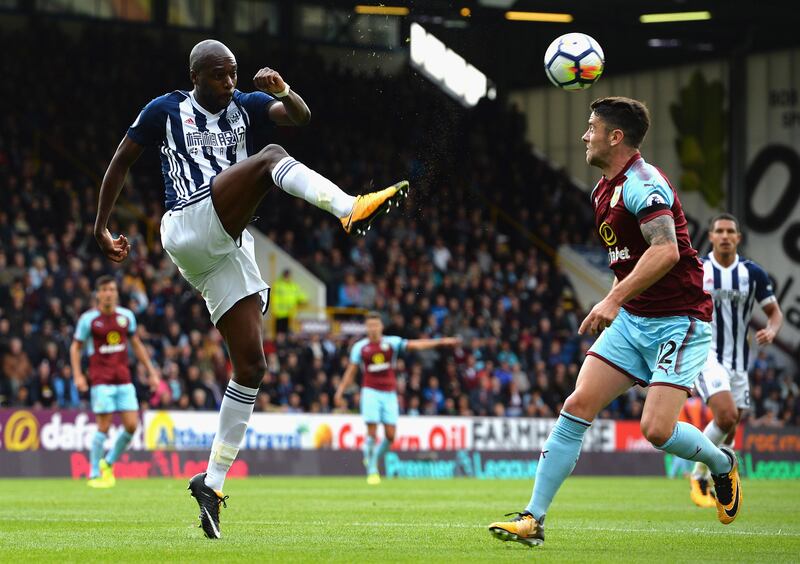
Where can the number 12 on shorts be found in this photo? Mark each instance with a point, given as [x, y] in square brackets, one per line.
[666, 352]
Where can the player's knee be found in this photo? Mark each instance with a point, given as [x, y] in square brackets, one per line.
[390, 436]
[656, 432]
[578, 406]
[272, 154]
[250, 370]
[131, 428]
[726, 420]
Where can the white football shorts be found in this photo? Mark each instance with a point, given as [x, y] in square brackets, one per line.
[223, 270]
[715, 378]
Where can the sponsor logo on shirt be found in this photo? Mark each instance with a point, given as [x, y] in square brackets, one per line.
[617, 254]
[207, 139]
[113, 344]
[735, 297]
[111, 349]
[607, 234]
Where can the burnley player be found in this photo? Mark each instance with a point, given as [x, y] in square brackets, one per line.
[214, 179]
[735, 284]
[377, 355]
[655, 320]
[105, 333]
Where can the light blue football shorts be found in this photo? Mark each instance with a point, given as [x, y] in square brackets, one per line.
[378, 406]
[110, 398]
[666, 351]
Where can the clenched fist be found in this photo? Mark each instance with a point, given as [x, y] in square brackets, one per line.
[269, 80]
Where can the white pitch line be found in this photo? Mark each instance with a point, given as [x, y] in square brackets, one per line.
[389, 524]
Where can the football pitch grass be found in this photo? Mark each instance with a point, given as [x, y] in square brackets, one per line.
[345, 520]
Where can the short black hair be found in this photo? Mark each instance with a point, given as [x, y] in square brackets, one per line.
[724, 217]
[103, 280]
[627, 114]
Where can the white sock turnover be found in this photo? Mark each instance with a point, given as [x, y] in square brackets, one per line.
[298, 180]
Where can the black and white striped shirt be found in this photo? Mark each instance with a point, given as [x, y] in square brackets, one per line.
[734, 289]
[196, 145]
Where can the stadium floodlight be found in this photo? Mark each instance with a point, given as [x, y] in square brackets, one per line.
[382, 10]
[504, 4]
[663, 43]
[675, 17]
[446, 68]
[538, 17]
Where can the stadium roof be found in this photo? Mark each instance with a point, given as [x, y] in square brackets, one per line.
[511, 51]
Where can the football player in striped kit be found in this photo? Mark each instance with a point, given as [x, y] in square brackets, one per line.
[736, 285]
[215, 176]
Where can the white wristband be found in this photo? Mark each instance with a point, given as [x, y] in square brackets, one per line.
[283, 93]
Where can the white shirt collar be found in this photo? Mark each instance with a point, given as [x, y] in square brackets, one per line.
[202, 110]
[733, 265]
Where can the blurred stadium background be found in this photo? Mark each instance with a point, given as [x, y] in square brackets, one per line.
[496, 243]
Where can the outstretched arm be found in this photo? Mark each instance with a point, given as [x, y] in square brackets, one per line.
[288, 110]
[774, 321]
[422, 344]
[127, 153]
[656, 261]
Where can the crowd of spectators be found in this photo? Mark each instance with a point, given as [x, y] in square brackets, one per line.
[448, 264]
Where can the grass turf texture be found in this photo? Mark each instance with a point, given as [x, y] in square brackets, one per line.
[343, 519]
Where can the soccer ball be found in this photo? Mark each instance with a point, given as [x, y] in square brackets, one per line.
[574, 61]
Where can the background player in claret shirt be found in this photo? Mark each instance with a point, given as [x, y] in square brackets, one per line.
[106, 332]
[655, 320]
[735, 285]
[376, 355]
[214, 179]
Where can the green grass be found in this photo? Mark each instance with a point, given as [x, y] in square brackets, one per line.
[342, 519]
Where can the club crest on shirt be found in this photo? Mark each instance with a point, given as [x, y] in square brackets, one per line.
[616, 195]
[234, 116]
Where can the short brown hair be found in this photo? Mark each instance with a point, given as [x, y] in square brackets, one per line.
[627, 114]
[103, 280]
[723, 217]
[373, 315]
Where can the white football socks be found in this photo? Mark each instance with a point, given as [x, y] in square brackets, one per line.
[298, 180]
[716, 436]
[234, 413]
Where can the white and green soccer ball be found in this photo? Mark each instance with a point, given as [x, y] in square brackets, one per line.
[574, 61]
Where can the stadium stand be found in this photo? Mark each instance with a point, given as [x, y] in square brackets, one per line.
[447, 265]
